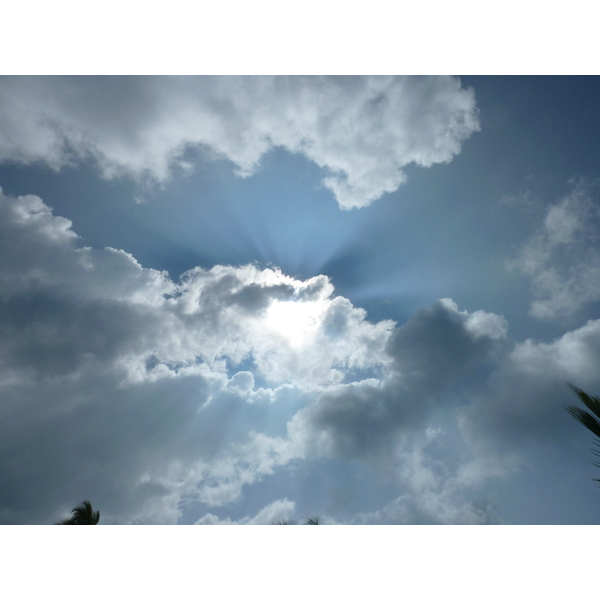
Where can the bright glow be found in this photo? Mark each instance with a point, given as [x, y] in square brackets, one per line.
[296, 322]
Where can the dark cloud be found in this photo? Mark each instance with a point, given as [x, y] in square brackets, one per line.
[253, 297]
[434, 350]
[90, 436]
[523, 400]
[435, 347]
[48, 333]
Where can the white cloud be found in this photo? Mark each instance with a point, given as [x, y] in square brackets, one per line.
[280, 510]
[361, 130]
[562, 257]
[480, 323]
[163, 387]
[432, 507]
[225, 313]
[144, 394]
[438, 489]
[574, 355]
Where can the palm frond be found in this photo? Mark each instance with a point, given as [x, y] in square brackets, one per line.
[592, 403]
[82, 515]
[311, 521]
[585, 418]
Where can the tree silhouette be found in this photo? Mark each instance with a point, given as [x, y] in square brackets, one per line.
[591, 420]
[311, 521]
[82, 515]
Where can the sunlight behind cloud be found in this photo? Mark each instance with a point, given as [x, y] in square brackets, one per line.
[296, 322]
[192, 331]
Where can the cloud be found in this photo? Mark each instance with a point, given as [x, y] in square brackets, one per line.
[562, 258]
[436, 349]
[525, 396]
[432, 508]
[439, 343]
[146, 394]
[437, 495]
[280, 510]
[137, 391]
[209, 315]
[362, 131]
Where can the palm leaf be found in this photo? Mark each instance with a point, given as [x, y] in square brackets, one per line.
[82, 515]
[592, 403]
[587, 419]
[311, 521]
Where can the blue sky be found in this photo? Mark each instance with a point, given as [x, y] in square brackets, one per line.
[238, 300]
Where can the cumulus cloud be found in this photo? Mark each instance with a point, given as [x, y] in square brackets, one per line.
[562, 257]
[223, 312]
[146, 394]
[362, 131]
[437, 348]
[441, 343]
[112, 371]
[525, 396]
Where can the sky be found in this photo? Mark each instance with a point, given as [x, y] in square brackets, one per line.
[238, 300]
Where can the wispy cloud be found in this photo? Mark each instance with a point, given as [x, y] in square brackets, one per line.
[562, 257]
[280, 510]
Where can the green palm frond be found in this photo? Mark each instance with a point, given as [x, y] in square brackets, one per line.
[312, 521]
